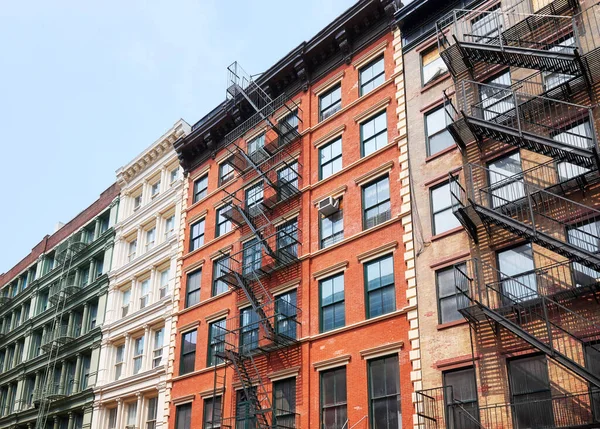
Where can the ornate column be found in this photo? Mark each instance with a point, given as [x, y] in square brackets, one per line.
[119, 413]
[138, 411]
[63, 378]
[77, 381]
[92, 272]
[126, 355]
[84, 319]
[56, 423]
[146, 357]
[71, 421]
[70, 324]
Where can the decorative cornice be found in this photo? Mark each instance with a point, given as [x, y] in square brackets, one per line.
[330, 270]
[331, 135]
[376, 108]
[332, 363]
[373, 174]
[382, 350]
[378, 251]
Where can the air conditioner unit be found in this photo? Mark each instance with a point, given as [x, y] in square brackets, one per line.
[328, 206]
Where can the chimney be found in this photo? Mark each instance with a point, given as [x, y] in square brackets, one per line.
[58, 226]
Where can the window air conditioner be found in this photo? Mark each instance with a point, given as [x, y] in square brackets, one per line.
[328, 206]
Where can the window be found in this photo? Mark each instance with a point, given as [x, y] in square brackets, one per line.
[288, 127]
[150, 238]
[212, 413]
[188, 352]
[287, 241]
[442, 209]
[252, 256]
[373, 134]
[93, 315]
[577, 136]
[497, 98]
[284, 402]
[384, 393]
[249, 330]
[587, 237]
[245, 411]
[137, 202]
[144, 293]
[255, 144]
[592, 364]
[505, 179]
[371, 76]
[287, 181]
[119, 359]
[220, 268]
[437, 135]
[460, 396]
[552, 79]
[447, 294]
[131, 413]
[132, 250]
[173, 175]
[226, 172]
[330, 158]
[223, 223]
[164, 283]
[381, 294]
[333, 398]
[517, 276]
[486, 27]
[112, 418]
[330, 102]
[169, 226]
[531, 396]
[138, 354]
[157, 353]
[286, 310]
[193, 288]
[151, 413]
[432, 65]
[183, 416]
[155, 189]
[331, 227]
[332, 302]
[376, 202]
[200, 188]
[125, 298]
[197, 235]
[216, 342]
[254, 197]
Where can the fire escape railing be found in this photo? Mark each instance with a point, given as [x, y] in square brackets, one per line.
[515, 303]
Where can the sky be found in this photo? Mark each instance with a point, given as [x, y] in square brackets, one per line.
[87, 85]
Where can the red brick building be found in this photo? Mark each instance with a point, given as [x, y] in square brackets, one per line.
[293, 298]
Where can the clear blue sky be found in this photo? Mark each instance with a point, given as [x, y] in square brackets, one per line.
[86, 85]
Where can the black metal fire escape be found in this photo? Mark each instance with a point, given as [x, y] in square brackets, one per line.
[268, 165]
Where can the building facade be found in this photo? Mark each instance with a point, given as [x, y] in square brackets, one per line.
[132, 380]
[503, 100]
[297, 301]
[52, 311]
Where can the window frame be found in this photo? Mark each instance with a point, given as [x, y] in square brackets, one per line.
[215, 279]
[213, 344]
[333, 159]
[200, 193]
[229, 175]
[197, 241]
[227, 222]
[425, 51]
[450, 207]
[369, 65]
[157, 352]
[335, 237]
[364, 187]
[398, 394]
[284, 413]
[454, 295]
[333, 303]
[326, 93]
[179, 410]
[139, 357]
[182, 369]
[373, 119]
[448, 404]
[446, 115]
[214, 423]
[366, 264]
[195, 291]
[336, 404]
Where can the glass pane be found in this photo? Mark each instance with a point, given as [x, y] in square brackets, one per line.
[440, 197]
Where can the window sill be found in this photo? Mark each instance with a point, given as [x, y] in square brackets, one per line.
[447, 325]
[447, 233]
[441, 153]
[442, 78]
[206, 301]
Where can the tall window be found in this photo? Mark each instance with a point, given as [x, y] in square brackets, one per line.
[530, 391]
[384, 393]
[169, 226]
[173, 175]
[288, 126]
[376, 202]
[332, 302]
[249, 329]
[138, 354]
[151, 411]
[447, 294]
[193, 288]
[159, 342]
[119, 359]
[144, 293]
[552, 80]
[587, 237]
[432, 65]
[125, 301]
[381, 295]
[183, 416]
[330, 158]
[330, 102]
[505, 179]
[137, 202]
[333, 399]
[438, 136]
[200, 188]
[220, 268]
[287, 181]
[460, 396]
[373, 134]
[517, 277]
[132, 250]
[245, 412]
[226, 172]
[164, 283]
[372, 75]
[331, 227]
[256, 143]
[580, 136]
[252, 256]
[496, 98]
[254, 196]
[223, 224]
[155, 189]
[212, 413]
[188, 352]
[284, 402]
[287, 240]
[131, 413]
[216, 342]
[286, 309]
[442, 209]
[197, 235]
[112, 418]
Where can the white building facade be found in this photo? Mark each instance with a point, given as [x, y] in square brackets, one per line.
[131, 391]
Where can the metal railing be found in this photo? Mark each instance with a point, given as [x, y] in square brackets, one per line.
[278, 419]
[62, 290]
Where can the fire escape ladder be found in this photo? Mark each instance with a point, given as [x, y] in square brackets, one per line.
[460, 208]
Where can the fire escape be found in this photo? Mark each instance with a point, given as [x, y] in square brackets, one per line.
[549, 113]
[269, 172]
[53, 385]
